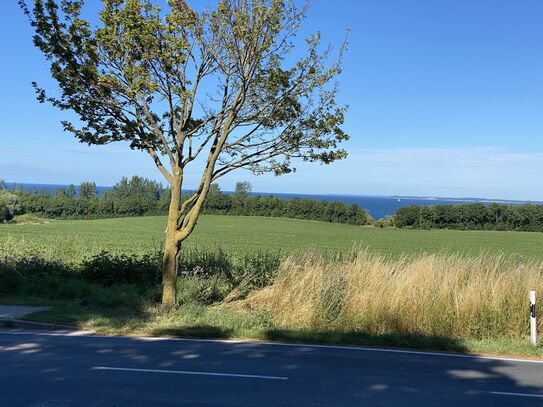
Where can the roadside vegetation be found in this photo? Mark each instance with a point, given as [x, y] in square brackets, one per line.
[432, 301]
[432, 295]
[319, 289]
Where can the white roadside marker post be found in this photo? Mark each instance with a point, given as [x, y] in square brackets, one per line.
[533, 326]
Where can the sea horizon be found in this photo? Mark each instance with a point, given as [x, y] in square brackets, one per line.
[378, 206]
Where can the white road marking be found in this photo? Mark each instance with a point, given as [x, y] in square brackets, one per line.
[188, 372]
[297, 345]
[505, 393]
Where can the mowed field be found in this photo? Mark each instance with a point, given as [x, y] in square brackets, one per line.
[73, 240]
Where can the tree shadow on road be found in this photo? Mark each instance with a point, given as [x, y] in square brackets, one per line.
[402, 340]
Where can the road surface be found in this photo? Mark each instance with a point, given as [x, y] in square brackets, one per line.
[46, 370]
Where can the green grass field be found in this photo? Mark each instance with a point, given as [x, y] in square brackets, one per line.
[73, 240]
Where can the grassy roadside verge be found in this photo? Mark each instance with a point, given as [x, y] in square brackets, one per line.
[218, 322]
[432, 302]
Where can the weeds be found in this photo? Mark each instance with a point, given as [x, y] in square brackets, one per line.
[417, 300]
[205, 277]
[447, 295]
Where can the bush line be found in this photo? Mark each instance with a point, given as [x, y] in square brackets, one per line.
[140, 196]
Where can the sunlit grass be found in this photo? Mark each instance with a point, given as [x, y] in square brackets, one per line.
[433, 295]
[72, 241]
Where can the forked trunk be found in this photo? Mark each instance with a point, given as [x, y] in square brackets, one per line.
[172, 248]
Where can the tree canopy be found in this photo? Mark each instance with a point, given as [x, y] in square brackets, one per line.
[137, 77]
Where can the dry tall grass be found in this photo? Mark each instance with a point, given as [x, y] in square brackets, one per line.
[443, 295]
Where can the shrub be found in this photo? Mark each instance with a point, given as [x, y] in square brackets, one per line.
[10, 206]
[205, 263]
[205, 276]
[32, 266]
[203, 290]
[256, 268]
[108, 269]
[5, 215]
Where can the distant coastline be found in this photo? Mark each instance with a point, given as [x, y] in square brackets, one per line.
[435, 198]
[377, 206]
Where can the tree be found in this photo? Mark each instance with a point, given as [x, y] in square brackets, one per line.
[136, 196]
[87, 191]
[188, 87]
[70, 192]
[242, 193]
[243, 189]
[408, 216]
[217, 201]
[10, 206]
[61, 193]
[136, 187]
[214, 189]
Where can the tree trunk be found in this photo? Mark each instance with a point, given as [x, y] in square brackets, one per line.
[169, 272]
[172, 248]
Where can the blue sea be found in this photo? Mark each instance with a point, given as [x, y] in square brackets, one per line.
[377, 206]
[381, 206]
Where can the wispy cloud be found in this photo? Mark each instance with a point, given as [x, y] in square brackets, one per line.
[463, 155]
[487, 172]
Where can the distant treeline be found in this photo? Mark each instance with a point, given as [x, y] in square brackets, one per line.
[140, 196]
[472, 217]
[130, 197]
[243, 203]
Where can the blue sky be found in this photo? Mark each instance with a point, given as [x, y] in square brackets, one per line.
[446, 99]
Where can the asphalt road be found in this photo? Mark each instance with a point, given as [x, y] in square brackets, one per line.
[46, 370]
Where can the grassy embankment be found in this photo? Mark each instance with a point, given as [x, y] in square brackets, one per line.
[391, 293]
